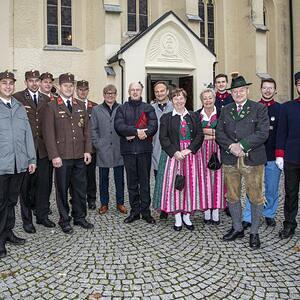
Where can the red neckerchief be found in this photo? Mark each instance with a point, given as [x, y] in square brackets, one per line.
[222, 96]
[267, 103]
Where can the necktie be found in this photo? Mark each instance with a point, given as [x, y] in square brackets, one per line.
[8, 104]
[35, 99]
[239, 109]
[69, 106]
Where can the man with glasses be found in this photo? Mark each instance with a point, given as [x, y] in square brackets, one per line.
[272, 172]
[107, 144]
[136, 123]
[243, 128]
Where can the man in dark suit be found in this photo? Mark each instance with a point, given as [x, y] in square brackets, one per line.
[223, 97]
[82, 91]
[68, 143]
[136, 123]
[288, 159]
[35, 187]
[242, 129]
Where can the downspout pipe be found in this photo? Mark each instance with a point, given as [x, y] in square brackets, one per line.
[292, 47]
[120, 61]
[214, 71]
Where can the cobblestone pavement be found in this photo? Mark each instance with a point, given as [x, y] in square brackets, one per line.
[141, 261]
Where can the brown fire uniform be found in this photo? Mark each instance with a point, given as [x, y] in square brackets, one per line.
[35, 186]
[67, 136]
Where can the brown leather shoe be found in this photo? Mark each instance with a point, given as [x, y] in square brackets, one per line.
[103, 209]
[121, 208]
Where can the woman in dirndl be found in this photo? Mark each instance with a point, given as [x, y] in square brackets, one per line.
[181, 136]
[212, 190]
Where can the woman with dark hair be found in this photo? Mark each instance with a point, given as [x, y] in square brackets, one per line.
[212, 191]
[177, 185]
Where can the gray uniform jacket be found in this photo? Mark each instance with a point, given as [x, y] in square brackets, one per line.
[250, 128]
[16, 141]
[104, 137]
[156, 143]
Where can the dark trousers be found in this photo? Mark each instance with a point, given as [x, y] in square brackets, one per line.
[291, 185]
[91, 180]
[35, 192]
[104, 184]
[71, 173]
[10, 186]
[138, 182]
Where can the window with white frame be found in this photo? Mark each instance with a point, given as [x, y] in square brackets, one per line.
[137, 15]
[59, 22]
[206, 10]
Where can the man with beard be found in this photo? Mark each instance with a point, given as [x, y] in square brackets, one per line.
[35, 187]
[272, 172]
[288, 159]
[136, 123]
[162, 105]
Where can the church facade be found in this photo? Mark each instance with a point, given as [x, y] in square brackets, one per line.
[184, 42]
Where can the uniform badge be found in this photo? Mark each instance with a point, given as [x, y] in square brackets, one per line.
[81, 122]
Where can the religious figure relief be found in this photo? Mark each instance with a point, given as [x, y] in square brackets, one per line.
[168, 48]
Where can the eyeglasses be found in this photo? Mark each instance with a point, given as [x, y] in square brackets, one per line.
[239, 91]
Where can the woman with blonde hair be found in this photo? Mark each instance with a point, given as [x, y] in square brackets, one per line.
[212, 191]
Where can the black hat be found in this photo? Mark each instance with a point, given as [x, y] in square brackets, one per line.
[47, 75]
[82, 84]
[66, 78]
[237, 82]
[32, 74]
[7, 75]
[297, 77]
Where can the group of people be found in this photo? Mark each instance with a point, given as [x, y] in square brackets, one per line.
[198, 158]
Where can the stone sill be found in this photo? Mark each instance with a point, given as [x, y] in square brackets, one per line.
[62, 48]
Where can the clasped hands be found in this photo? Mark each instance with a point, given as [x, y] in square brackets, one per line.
[236, 150]
[141, 134]
[180, 155]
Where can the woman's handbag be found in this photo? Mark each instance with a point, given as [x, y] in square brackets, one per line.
[214, 163]
[179, 182]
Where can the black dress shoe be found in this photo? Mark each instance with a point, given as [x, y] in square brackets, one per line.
[3, 252]
[177, 228]
[149, 219]
[66, 228]
[189, 227]
[29, 228]
[84, 224]
[232, 235]
[92, 206]
[163, 215]
[207, 222]
[131, 218]
[246, 225]
[11, 238]
[270, 222]
[47, 223]
[215, 222]
[254, 241]
[286, 232]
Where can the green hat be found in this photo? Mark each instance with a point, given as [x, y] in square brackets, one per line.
[238, 82]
